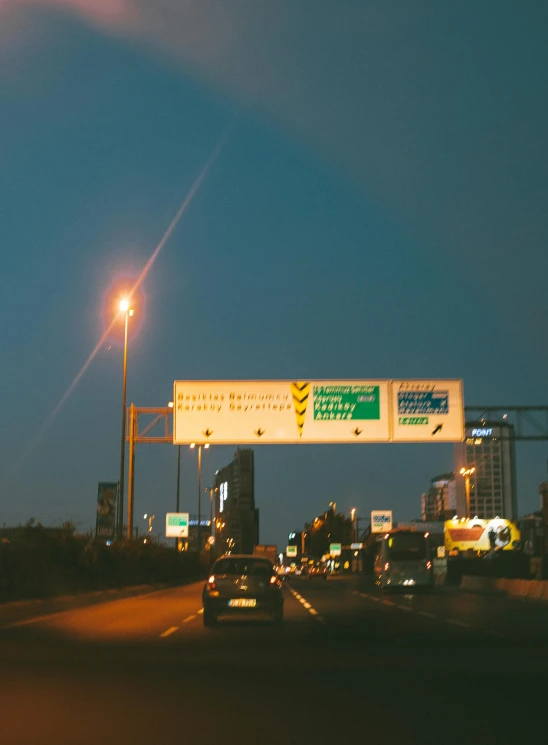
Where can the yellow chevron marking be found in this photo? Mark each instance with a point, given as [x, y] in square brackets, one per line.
[300, 391]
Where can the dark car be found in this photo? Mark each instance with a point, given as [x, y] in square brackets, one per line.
[242, 584]
[318, 571]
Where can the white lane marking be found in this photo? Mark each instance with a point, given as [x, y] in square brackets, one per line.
[426, 614]
[375, 599]
[306, 605]
[456, 622]
[405, 607]
[169, 631]
[388, 602]
[497, 634]
[200, 611]
[363, 595]
[190, 618]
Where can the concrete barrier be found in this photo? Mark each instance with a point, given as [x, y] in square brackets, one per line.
[479, 584]
[523, 589]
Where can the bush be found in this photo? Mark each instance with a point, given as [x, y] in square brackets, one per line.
[37, 562]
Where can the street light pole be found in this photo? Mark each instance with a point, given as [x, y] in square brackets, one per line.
[124, 307]
[199, 499]
[466, 472]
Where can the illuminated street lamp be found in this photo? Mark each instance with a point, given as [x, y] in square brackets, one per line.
[467, 472]
[354, 523]
[127, 311]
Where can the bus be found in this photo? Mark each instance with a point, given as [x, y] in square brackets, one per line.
[403, 560]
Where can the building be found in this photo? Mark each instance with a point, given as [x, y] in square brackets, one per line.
[236, 518]
[440, 502]
[489, 449]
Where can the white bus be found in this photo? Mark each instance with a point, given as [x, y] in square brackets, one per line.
[403, 560]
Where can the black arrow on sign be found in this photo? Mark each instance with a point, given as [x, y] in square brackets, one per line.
[259, 432]
[358, 431]
[438, 429]
[207, 432]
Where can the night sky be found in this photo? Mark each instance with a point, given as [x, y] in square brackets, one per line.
[378, 210]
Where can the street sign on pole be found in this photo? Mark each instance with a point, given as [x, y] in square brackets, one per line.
[317, 411]
[427, 410]
[291, 552]
[177, 524]
[381, 521]
[280, 411]
[335, 549]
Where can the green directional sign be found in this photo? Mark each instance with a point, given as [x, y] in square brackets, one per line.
[177, 524]
[335, 549]
[291, 551]
[357, 402]
[416, 420]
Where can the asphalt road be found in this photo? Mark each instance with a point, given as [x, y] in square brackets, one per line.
[349, 665]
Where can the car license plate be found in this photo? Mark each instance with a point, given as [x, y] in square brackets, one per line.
[242, 603]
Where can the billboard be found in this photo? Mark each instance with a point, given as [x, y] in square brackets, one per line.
[480, 535]
[316, 411]
[107, 497]
[381, 521]
[177, 524]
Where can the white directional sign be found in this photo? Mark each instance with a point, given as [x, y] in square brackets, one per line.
[427, 410]
[280, 411]
[317, 411]
[177, 525]
[381, 521]
[291, 551]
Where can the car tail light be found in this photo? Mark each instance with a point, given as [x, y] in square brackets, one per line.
[387, 566]
[211, 583]
[273, 580]
[429, 565]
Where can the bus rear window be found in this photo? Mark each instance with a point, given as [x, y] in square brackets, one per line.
[407, 547]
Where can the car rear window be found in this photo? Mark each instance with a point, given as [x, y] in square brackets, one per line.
[243, 566]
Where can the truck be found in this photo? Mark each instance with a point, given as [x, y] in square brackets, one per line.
[269, 552]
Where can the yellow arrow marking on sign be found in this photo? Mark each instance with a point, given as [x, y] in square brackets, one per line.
[300, 391]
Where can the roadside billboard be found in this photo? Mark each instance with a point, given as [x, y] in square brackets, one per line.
[381, 521]
[464, 534]
[105, 521]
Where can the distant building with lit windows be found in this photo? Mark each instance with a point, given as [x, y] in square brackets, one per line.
[488, 448]
[236, 518]
[440, 502]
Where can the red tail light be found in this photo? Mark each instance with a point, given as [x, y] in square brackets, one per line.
[274, 580]
[211, 583]
[429, 565]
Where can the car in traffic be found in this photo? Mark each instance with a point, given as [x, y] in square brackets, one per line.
[317, 571]
[242, 584]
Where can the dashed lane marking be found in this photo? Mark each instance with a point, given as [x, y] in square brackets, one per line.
[388, 602]
[426, 614]
[306, 605]
[497, 634]
[200, 611]
[405, 607]
[456, 622]
[189, 618]
[169, 631]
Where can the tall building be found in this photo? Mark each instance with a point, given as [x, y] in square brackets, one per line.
[490, 450]
[236, 518]
[440, 502]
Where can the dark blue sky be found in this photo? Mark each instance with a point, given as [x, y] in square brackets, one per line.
[379, 211]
